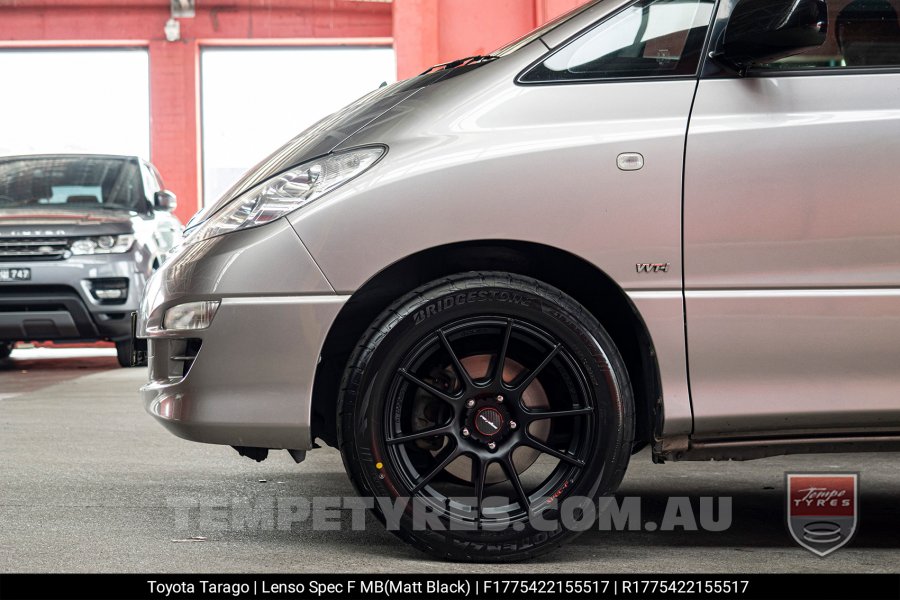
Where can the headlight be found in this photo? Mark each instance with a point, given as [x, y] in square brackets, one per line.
[192, 315]
[287, 192]
[104, 244]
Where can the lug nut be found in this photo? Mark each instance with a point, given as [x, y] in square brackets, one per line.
[492, 445]
[465, 432]
[513, 425]
[499, 398]
[470, 403]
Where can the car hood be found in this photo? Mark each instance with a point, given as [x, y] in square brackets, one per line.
[49, 222]
[326, 135]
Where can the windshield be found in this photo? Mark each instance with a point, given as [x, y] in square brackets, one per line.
[71, 182]
[542, 30]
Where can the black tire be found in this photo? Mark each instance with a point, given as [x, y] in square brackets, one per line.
[123, 353]
[6, 349]
[565, 352]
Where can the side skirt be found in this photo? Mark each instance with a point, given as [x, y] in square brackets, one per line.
[683, 448]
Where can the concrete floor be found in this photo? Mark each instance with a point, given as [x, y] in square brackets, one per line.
[89, 482]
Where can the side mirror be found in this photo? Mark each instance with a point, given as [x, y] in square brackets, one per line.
[164, 200]
[766, 30]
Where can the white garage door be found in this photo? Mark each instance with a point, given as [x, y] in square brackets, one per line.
[254, 100]
[94, 101]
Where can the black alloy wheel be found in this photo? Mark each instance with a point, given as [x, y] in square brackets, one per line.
[479, 400]
[485, 420]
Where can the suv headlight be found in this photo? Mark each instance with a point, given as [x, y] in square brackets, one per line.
[288, 191]
[103, 244]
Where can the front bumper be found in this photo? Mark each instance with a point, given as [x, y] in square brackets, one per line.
[247, 379]
[250, 380]
[57, 304]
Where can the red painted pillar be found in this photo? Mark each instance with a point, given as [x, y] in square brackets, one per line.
[468, 27]
[547, 10]
[174, 120]
[427, 32]
[415, 36]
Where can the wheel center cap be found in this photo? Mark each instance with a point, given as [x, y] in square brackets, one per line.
[489, 422]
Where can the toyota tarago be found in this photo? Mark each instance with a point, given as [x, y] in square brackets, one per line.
[664, 223]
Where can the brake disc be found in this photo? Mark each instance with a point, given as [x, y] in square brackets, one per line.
[426, 410]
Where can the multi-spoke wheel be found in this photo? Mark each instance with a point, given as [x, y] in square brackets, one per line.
[482, 402]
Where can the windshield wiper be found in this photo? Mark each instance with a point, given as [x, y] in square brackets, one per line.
[114, 207]
[13, 203]
[469, 60]
[64, 206]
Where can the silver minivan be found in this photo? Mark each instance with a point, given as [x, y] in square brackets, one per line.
[663, 223]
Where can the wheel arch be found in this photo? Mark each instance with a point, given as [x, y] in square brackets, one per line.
[582, 280]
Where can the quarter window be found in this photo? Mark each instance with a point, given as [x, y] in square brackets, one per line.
[650, 38]
[861, 33]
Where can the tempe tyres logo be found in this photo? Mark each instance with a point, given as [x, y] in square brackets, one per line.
[822, 509]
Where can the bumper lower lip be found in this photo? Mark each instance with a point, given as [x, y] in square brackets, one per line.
[250, 383]
[57, 305]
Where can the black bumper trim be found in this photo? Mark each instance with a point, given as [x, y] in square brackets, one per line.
[62, 312]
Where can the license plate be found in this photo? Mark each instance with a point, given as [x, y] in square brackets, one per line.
[15, 274]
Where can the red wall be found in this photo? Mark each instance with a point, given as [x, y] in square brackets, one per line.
[428, 32]
[424, 32]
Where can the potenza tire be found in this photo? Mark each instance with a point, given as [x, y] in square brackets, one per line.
[475, 407]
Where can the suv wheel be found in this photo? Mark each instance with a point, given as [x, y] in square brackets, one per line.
[123, 353]
[472, 403]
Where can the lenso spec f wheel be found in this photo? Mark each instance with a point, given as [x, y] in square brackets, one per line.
[472, 404]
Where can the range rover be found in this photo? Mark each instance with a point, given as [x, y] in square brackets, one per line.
[79, 237]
